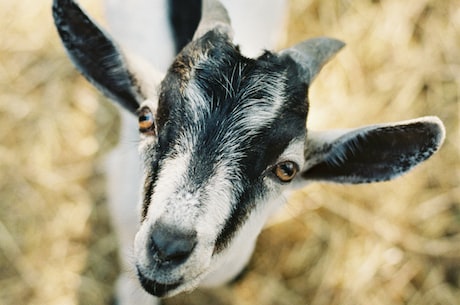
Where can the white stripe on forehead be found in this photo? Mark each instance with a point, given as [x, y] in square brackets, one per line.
[222, 191]
[177, 201]
[250, 114]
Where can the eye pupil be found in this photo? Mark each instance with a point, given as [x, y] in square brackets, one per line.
[285, 171]
[146, 121]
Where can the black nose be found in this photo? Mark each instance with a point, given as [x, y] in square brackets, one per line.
[170, 245]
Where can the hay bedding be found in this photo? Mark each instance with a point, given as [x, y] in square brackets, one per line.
[391, 243]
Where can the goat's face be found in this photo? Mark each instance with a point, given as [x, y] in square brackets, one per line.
[224, 137]
[229, 135]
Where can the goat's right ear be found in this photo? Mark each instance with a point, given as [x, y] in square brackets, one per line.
[95, 55]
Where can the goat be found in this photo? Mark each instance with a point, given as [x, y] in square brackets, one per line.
[221, 140]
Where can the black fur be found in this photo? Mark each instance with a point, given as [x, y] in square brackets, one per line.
[377, 155]
[184, 16]
[94, 54]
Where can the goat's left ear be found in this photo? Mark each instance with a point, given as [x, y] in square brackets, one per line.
[214, 16]
[96, 55]
[371, 153]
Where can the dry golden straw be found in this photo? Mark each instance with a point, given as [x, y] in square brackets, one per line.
[383, 244]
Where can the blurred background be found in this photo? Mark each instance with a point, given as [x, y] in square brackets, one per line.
[390, 243]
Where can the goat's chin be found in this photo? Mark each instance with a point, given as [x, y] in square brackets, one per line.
[164, 288]
[169, 289]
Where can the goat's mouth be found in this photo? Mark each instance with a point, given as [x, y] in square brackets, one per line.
[156, 288]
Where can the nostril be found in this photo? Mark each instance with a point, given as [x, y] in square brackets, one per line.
[171, 245]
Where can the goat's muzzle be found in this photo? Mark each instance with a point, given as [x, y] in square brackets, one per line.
[156, 288]
[168, 248]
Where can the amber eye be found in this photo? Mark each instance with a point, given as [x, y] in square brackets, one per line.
[285, 171]
[146, 121]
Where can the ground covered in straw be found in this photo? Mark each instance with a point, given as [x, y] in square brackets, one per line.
[391, 243]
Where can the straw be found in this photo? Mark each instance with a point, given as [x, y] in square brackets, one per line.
[390, 243]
